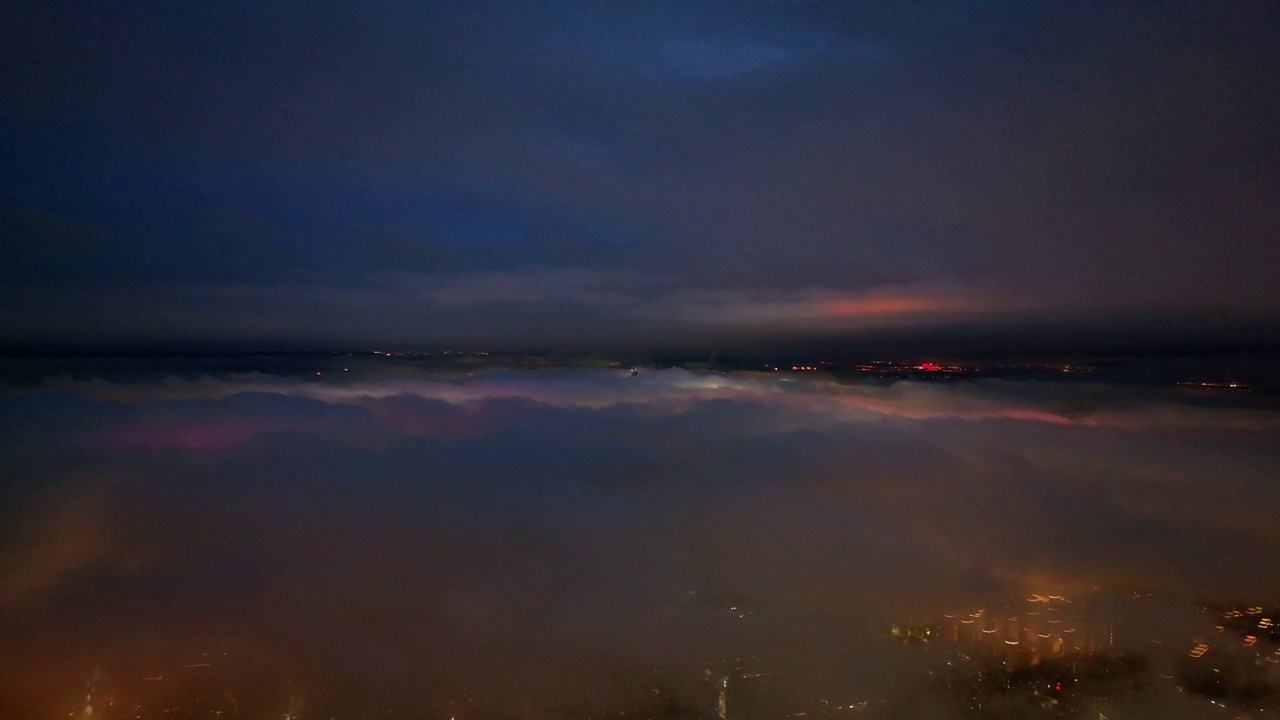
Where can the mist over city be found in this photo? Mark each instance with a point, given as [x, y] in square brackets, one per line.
[574, 360]
[370, 535]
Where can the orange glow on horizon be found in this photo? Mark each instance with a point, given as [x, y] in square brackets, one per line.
[861, 307]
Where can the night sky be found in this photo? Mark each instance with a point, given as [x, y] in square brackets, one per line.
[512, 175]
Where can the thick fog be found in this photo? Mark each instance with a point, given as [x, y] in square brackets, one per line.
[562, 542]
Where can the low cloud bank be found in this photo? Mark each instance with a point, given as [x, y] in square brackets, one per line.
[540, 539]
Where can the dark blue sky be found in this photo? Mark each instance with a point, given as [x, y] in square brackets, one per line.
[504, 174]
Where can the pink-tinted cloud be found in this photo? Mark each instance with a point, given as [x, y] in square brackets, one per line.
[814, 399]
[157, 434]
[418, 417]
[880, 306]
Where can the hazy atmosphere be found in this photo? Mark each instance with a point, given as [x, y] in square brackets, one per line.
[507, 174]
[778, 360]
[393, 539]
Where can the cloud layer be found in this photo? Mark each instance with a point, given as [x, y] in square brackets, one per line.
[197, 173]
[535, 537]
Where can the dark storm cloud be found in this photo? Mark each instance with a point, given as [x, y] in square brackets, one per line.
[539, 538]
[1031, 158]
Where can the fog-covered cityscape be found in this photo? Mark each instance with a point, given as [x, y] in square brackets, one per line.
[581, 360]
[454, 535]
